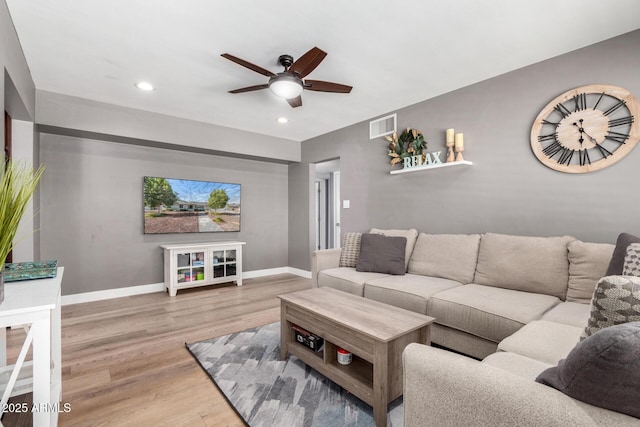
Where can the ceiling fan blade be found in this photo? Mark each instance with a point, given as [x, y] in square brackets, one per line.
[320, 86]
[248, 65]
[307, 62]
[295, 102]
[249, 88]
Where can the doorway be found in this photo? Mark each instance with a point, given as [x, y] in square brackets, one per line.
[6, 155]
[327, 212]
[7, 137]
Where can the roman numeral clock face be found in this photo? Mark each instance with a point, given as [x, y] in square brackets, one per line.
[586, 129]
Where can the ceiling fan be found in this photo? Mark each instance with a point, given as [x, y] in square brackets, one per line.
[290, 83]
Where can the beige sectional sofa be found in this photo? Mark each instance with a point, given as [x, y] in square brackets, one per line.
[518, 304]
[480, 288]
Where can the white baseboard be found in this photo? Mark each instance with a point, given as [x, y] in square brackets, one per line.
[111, 293]
[159, 287]
[266, 272]
[273, 271]
[302, 273]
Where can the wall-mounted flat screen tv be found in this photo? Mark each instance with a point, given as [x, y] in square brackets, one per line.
[187, 206]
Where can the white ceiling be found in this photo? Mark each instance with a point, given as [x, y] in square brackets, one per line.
[394, 53]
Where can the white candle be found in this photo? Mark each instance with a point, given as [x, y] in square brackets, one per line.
[459, 141]
[449, 135]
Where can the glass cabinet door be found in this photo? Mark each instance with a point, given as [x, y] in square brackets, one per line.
[218, 258]
[197, 261]
[190, 266]
[231, 262]
[224, 263]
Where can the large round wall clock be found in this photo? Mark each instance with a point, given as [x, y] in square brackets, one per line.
[586, 129]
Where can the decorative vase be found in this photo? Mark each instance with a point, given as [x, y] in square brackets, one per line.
[1, 287]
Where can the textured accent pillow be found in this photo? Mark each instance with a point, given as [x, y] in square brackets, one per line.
[603, 370]
[588, 263]
[619, 253]
[411, 235]
[350, 250]
[631, 265]
[382, 254]
[450, 256]
[616, 300]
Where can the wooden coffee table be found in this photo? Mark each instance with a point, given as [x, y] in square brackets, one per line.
[375, 333]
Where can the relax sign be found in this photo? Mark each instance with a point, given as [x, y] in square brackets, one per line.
[429, 159]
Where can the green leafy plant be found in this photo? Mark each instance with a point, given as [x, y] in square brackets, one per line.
[158, 193]
[411, 142]
[17, 184]
[218, 199]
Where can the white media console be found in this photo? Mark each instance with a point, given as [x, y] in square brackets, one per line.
[201, 264]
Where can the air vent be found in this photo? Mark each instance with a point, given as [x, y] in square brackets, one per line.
[383, 126]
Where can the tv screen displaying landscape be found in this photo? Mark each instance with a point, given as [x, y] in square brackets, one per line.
[187, 206]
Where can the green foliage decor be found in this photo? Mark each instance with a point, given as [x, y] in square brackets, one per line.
[218, 199]
[411, 142]
[158, 192]
[17, 184]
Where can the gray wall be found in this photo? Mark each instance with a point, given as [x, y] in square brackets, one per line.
[17, 90]
[301, 209]
[92, 218]
[507, 189]
[84, 115]
[17, 95]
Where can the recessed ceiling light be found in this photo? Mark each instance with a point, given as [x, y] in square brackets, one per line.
[144, 86]
[282, 120]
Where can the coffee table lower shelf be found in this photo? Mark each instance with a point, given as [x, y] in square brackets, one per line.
[356, 378]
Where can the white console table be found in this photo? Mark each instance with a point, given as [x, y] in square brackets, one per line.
[201, 264]
[34, 304]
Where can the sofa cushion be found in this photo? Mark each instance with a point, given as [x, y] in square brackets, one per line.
[569, 313]
[450, 256]
[488, 312]
[603, 370]
[631, 265]
[619, 253]
[516, 364]
[350, 250]
[382, 254]
[410, 291]
[544, 341]
[588, 263]
[616, 300]
[523, 263]
[411, 235]
[346, 279]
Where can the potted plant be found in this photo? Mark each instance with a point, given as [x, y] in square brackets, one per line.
[17, 184]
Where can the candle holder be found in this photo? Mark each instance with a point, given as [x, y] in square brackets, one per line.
[450, 155]
[459, 150]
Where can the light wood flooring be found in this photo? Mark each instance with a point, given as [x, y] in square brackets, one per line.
[124, 361]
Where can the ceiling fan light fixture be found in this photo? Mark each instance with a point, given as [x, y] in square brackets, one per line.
[146, 86]
[285, 85]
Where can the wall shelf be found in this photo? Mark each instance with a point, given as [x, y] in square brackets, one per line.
[436, 166]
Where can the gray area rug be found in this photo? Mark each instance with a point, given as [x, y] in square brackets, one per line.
[266, 391]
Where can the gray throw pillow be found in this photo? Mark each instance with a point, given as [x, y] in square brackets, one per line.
[619, 253]
[616, 300]
[603, 370]
[382, 254]
[350, 250]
